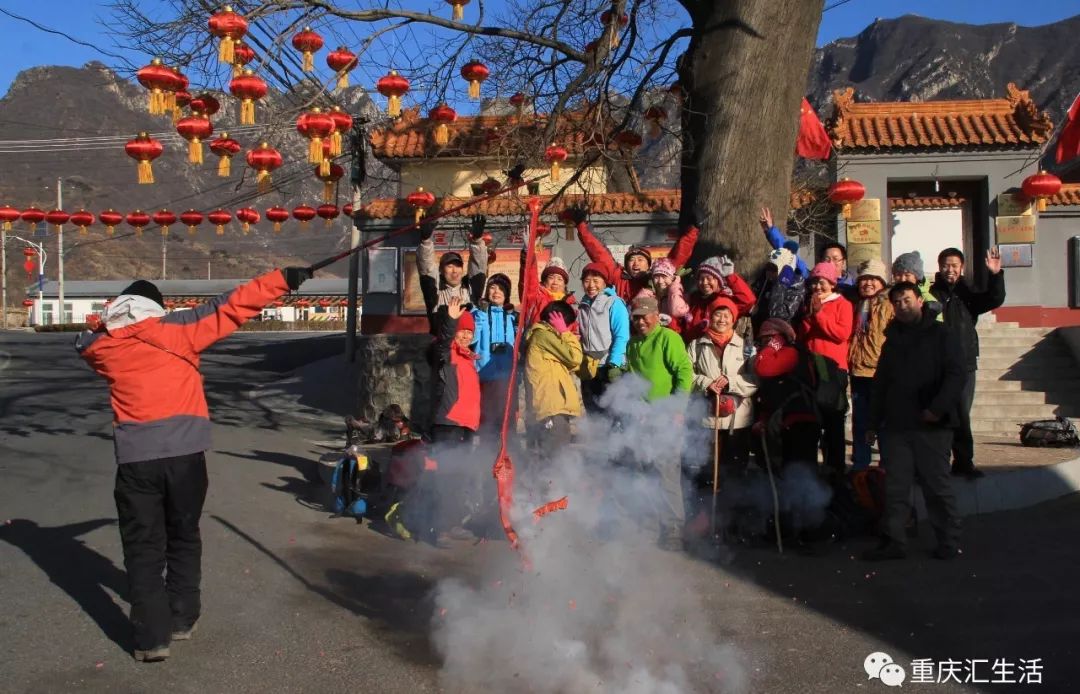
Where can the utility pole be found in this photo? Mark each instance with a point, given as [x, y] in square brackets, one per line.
[164, 254]
[60, 250]
[3, 271]
[356, 180]
[207, 268]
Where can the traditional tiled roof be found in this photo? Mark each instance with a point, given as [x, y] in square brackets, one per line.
[926, 203]
[412, 137]
[647, 202]
[1009, 123]
[1068, 195]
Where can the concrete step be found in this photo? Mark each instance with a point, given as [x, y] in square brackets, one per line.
[1023, 413]
[1033, 370]
[1062, 363]
[1025, 397]
[995, 427]
[1007, 329]
[1012, 341]
[983, 385]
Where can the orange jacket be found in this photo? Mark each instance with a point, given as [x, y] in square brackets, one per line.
[152, 367]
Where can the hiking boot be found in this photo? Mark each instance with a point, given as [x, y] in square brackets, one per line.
[945, 552]
[185, 634]
[152, 655]
[885, 551]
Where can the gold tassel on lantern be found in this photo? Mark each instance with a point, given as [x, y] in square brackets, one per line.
[442, 134]
[324, 166]
[309, 61]
[146, 171]
[195, 151]
[393, 105]
[265, 184]
[277, 227]
[225, 50]
[245, 227]
[247, 112]
[335, 143]
[138, 232]
[176, 114]
[342, 79]
[418, 215]
[164, 230]
[109, 230]
[474, 89]
[220, 229]
[328, 191]
[555, 172]
[155, 104]
[237, 70]
[459, 12]
[224, 166]
[315, 152]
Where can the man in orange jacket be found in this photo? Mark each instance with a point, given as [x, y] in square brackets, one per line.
[161, 430]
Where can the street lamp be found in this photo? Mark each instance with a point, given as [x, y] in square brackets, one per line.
[42, 257]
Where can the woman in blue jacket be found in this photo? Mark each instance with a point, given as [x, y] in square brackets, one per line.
[496, 328]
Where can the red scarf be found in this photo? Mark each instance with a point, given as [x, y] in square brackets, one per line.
[718, 339]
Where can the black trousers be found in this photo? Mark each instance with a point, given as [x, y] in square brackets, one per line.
[833, 441]
[159, 503]
[963, 444]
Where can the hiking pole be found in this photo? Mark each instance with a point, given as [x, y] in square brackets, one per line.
[715, 466]
[772, 485]
[513, 185]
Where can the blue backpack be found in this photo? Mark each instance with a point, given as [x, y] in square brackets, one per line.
[354, 480]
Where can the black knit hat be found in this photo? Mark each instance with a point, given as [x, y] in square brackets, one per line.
[502, 282]
[146, 289]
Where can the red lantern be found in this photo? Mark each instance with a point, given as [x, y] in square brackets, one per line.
[605, 21]
[459, 8]
[518, 101]
[844, 192]
[30, 263]
[249, 88]
[224, 147]
[195, 128]
[1041, 186]
[144, 149]
[170, 304]
[183, 99]
[347, 210]
[420, 200]
[277, 215]
[164, 218]
[191, 303]
[328, 213]
[219, 218]
[173, 99]
[628, 140]
[137, 219]
[342, 61]
[303, 303]
[329, 180]
[316, 126]
[230, 27]
[303, 214]
[475, 72]
[542, 230]
[343, 303]
[205, 104]
[33, 216]
[264, 160]
[8, 215]
[110, 218]
[28, 303]
[160, 80]
[82, 219]
[655, 115]
[57, 217]
[393, 86]
[442, 115]
[192, 218]
[242, 55]
[325, 303]
[277, 303]
[555, 155]
[247, 216]
[343, 123]
[308, 43]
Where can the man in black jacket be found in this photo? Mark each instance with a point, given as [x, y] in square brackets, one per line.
[961, 306]
[914, 404]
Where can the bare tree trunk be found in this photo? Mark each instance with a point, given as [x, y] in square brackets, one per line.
[743, 77]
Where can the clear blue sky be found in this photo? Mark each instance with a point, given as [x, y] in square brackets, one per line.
[87, 20]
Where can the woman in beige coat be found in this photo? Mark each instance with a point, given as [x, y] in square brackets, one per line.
[724, 375]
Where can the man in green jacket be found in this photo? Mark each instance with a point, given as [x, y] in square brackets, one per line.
[658, 355]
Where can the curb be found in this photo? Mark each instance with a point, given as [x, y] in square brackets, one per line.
[1012, 490]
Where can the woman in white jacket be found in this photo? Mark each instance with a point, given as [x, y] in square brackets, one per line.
[724, 374]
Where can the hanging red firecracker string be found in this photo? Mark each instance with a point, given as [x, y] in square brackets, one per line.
[328, 213]
[57, 217]
[393, 86]
[442, 115]
[137, 219]
[329, 180]
[8, 215]
[33, 216]
[226, 148]
[110, 218]
[343, 123]
[420, 200]
[242, 55]
[277, 215]
[195, 128]
[191, 218]
[247, 216]
[475, 72]
[144, 149]
[308, 43]
[458, 13]
[605, 21]
[264, 160]
[164, 218]
[219, 218]
[316, 126]
[342, 61]
[158, 79]
[230, 27]
[303, 214]
[555, 156]
[82, 219]
[249, 88]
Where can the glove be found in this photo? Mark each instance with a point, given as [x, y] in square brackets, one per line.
[426, 231]
[578, 213]
[727, 266]
[558, 322]
[476, 230]
[614, 372]
[295, 276]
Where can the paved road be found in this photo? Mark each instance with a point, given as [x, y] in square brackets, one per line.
[295, 601]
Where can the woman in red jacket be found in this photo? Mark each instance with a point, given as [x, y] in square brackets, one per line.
[716, 276]
[825, 329]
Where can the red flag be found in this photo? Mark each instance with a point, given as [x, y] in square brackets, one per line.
[1068, 144]
[813, 142]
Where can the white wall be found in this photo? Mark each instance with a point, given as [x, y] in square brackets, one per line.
[928, 232]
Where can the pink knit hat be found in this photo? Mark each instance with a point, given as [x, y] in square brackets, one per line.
[826, 271]
[664, 266]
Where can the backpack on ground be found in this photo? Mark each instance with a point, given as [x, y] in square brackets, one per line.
[355, 481]
[1056, 433]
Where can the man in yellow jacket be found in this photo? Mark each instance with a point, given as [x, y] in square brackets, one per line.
[552, 355]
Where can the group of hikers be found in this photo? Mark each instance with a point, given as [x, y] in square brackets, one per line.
[778, 364]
